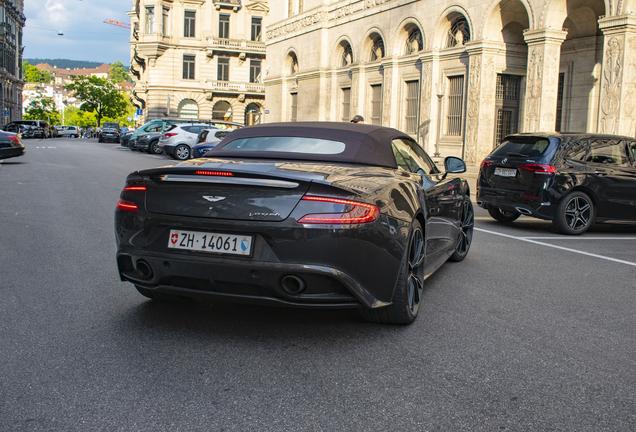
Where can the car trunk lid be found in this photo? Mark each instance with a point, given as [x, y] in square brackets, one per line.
[226, 190]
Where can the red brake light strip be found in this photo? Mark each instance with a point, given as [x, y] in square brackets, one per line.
[135, 188]
[215, 173]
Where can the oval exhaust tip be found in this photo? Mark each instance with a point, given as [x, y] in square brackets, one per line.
[144, 269]
[293, 284]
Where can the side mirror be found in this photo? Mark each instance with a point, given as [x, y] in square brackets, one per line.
[454, 165]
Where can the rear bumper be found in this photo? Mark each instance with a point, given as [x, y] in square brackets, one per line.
[514, 201]
[247, 281]
[9, 152]
[348, 267]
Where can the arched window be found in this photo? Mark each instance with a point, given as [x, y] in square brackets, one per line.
[459, 32]
[188, 108]
[414, 41]
[292, 62]
[377, 49]
[252, 114]
[347, 54]
[222, 111]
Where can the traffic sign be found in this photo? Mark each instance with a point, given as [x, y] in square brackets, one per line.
[129, 118]
[6, 113]
[140, 112]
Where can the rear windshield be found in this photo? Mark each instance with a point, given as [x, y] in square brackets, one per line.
[287, 144]
[526, 147]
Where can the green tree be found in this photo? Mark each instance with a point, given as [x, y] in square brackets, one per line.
[31, 73]
[98, 95]
[42, 108]
[118, 72]
[47, 76]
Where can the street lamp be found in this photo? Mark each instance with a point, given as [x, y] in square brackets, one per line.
[440, 96]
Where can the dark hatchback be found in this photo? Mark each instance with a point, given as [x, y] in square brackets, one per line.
[314, 214]
[10, 145]
[109, 135]
[574, 180]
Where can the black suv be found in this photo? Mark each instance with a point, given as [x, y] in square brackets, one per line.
[574, 180]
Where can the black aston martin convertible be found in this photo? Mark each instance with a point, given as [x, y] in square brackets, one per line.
[314, 214]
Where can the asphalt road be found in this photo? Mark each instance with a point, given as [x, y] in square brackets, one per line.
[532, 332]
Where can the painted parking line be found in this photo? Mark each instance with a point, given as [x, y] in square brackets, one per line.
[564, 237]
[525, 239]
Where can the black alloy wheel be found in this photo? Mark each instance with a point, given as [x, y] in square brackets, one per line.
[502, 215]
[409, 287]
[181, 152]
[465, 236]
[575, 214]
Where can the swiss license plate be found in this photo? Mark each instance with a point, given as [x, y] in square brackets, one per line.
[505, 172]
[231, 244]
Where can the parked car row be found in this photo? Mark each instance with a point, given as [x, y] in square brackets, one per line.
[182, 139]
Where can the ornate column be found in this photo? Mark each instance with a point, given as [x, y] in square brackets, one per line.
[480, 107]
[357, 78]
[617, 108]
[542, 80]
[425, 104]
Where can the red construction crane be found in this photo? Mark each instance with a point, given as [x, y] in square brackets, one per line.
[117, 23]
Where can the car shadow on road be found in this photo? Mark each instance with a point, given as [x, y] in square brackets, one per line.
[10, 162]
[211, 319]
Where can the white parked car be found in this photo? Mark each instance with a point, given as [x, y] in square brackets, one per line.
[178, 140]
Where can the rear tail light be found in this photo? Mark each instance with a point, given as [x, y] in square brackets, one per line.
[123, 204]
[14, 138]
[538, 168]
[168, 135]
[134, 183]
[354, 212]
[485, 163]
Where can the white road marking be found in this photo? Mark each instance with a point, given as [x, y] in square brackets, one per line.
[557, 247]
[580, 238]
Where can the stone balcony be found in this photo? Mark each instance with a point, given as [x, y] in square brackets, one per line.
[217, 44]
[235, 5]
[235, 87]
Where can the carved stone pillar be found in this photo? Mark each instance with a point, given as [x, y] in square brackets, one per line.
[426, 90]
[390, 93]
[356, 81]
[480, 108]
[542, 80]
[617, 108]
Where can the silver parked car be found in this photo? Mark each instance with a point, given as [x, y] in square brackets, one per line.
[69, 131]
[178, 140]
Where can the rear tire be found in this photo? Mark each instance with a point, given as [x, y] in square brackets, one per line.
[182, 152]
[409, 287]
[575, 214]
[153, 148]
[501, 215]
[160, 296]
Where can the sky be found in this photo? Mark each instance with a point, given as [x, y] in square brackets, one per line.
[86, 36]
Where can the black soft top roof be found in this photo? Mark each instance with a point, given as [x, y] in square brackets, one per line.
[364, 144]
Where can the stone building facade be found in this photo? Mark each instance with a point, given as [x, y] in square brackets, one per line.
[12, 21]
[456, 75]
[198, 59]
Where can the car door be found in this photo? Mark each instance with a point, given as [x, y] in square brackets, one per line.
[612, 177]
[439, 209]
